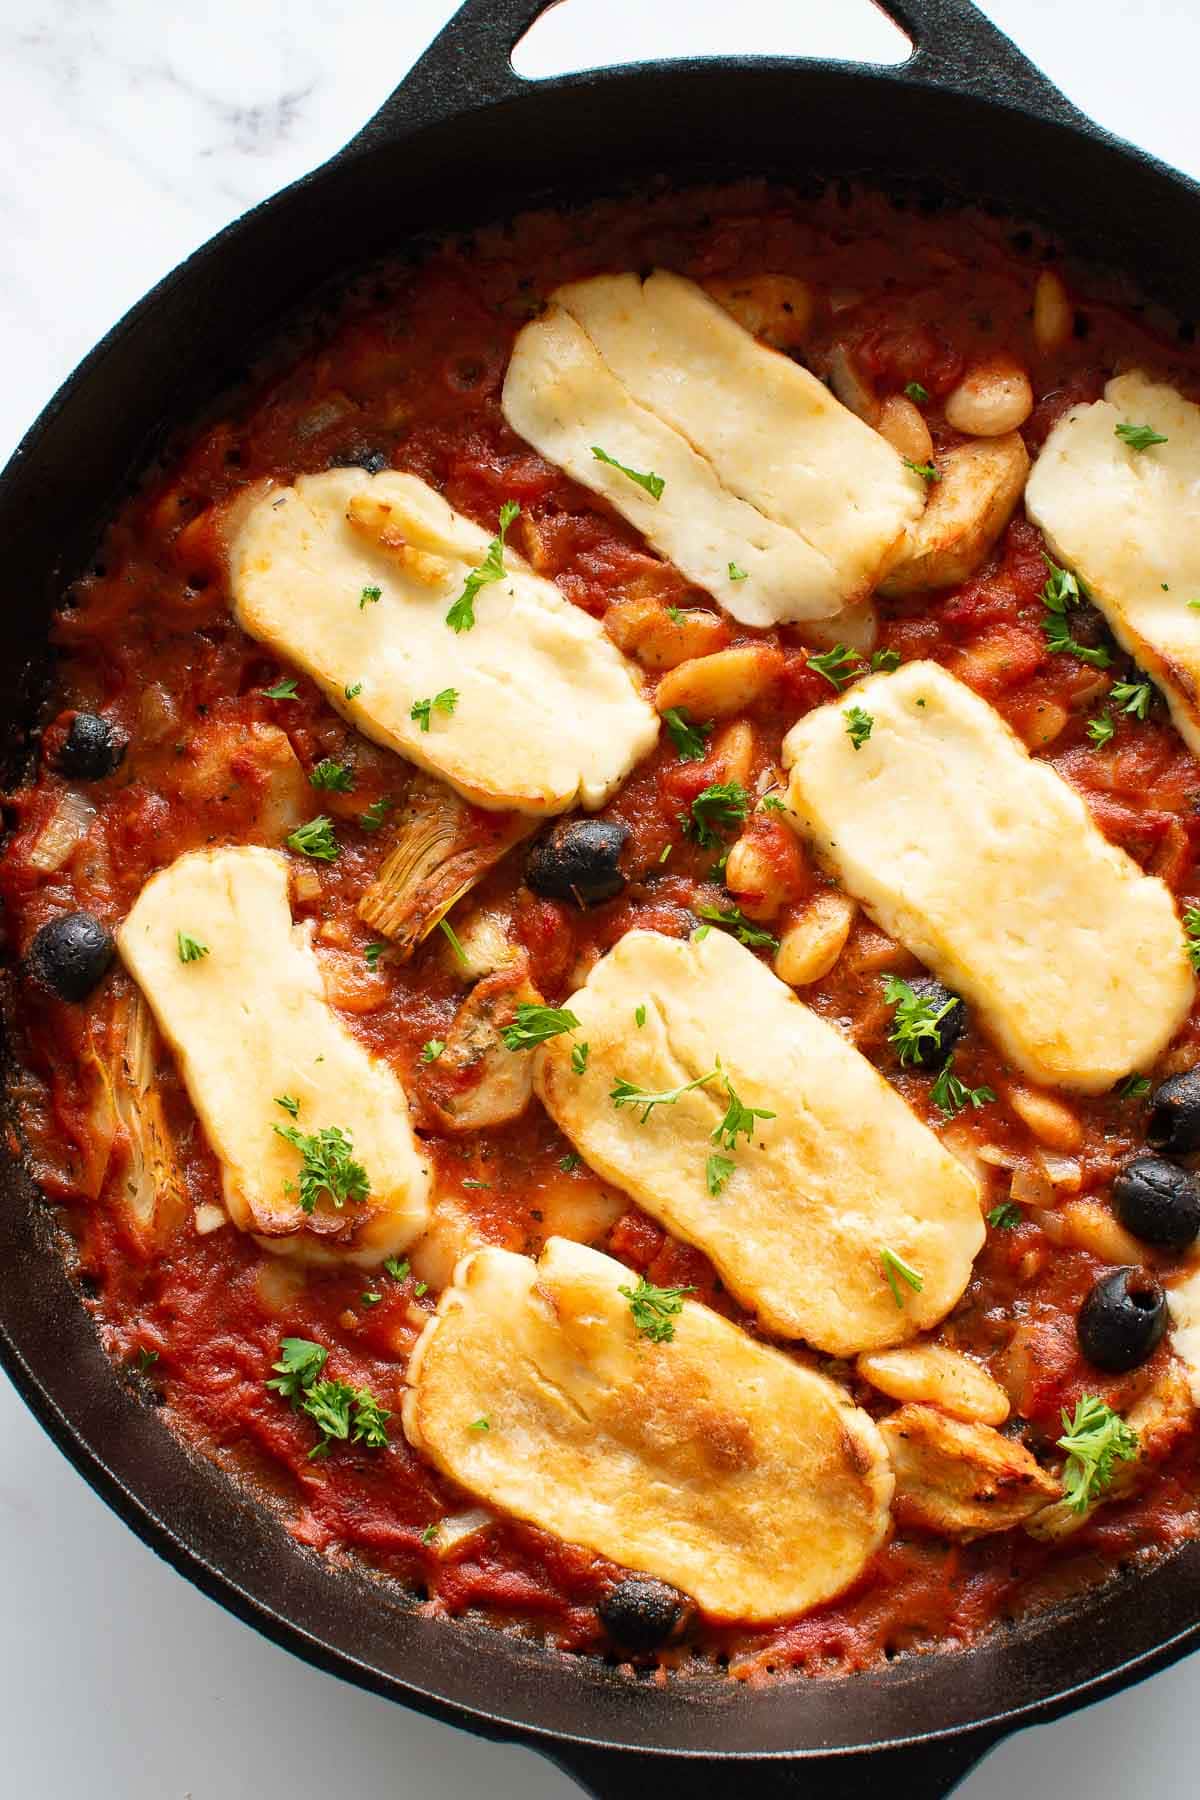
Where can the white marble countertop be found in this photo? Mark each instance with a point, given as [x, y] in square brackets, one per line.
[132, 131]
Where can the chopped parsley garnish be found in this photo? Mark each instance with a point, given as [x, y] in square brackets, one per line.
[568, 1163]
[145, 1360]
[717, 1171]
[1134, 1087]
[1133, 697]
[839, 666]
[451, 936]
[719, 808]
[579, 1058]
[739, 1119]
[352, 693]
[1139, 437]
[952, 1095]
[916, 393]
[374, 951]
[335, 776]
[284, 689]
[927, 471]
[327, 1165]
[1094, 1440]
[736, 574]
[639, 1016]
[370, 1298]
[1005, 1217]
[376, 814]
[370, 1419]
[397, 1267]
[430, 1533]
[735, 920]
[1062, 591]
[1101, 729]
[674, 613]
[916, 1020]
[316, 839]
[655, 1309]
[445, 702]
[689, 740]
[461, 616]
[653, 484]
[858, 725]
[534, 1024]
[483, 1424]
[422, 1287]
[300, 1363]
[289, 1103]
[627, 1093]
[885, 662]
[894, 1266]
[431, 1049]
[369, 596]
[1191, 924]
[190, 948]
[469, 1183]
[772, 803]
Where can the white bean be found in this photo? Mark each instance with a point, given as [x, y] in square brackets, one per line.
[1053, 316]
[992, 398]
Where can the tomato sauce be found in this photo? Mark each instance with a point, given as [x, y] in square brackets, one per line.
[407, 366]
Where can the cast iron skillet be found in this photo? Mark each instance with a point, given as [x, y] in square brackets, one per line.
[463, 140]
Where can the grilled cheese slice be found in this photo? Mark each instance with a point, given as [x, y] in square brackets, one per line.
[248, 1022]
[983, 862]
[709, 1461]
[1128, 522]
[841, 1171]
[765, 473]
[351, 576]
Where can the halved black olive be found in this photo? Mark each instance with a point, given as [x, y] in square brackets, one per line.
[71, 955]
[949, 1029]
[1158, 1201]
[578, 860]
[1122, 1320]
[361, 456]
[91, 748]
[642, 1614]
[1174, 1123]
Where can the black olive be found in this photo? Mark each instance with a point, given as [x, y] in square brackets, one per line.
[949, 1029]
[71, 954]
[91, 748]
[1088, 625]
[1158, 1201]
[1122, 1320]
[641, 1614]
[361, 456]
[578, 860]
[1175, 1114]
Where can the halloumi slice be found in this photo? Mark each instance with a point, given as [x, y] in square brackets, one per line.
[765, 472]
[548, 716]
[1183, 1304]
[983, 862]
[709, 1461]
[248, 1022]
[1128, 522]
[843, 1171]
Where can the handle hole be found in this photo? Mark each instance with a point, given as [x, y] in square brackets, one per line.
[590, 34]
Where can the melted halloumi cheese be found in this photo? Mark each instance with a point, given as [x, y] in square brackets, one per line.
[548, 713]
[709, 1461]
[841, 1171]
[983, 862]
[248, 1022]
[766, 474]
[1183, 1304]
[1128, 522]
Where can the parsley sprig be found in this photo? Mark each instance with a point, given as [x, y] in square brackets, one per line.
[840, 666]
[1005, 1217]
[952, 1095]
[655, 1309]
[915, 1021]
[534, 1024]
[894, 1266]
[190, 948]
[720, 807]
[445, 702]
[689, 740]
[335, 777]
[1139, 437]
[1101, 729]
[461, 616]
[627, 1093]
[1191, 924]
[653, 484]
[739, 1119]
[1132, 697]
[1095, 1439]
[316, 839]
[858, 725]
[339, 1411]
[734, 919]
[1062, 591]
[717, 1171]
[327, 1166]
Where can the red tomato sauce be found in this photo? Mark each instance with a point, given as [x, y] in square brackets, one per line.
[410, 366]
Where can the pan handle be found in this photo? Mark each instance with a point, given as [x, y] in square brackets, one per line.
[955, 45]
[917, 1771]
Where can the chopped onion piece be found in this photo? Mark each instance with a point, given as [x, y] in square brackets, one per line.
[208, 1218]
[63, 832]
[1062, 1172]
[1031, 1186]
[456, 1527]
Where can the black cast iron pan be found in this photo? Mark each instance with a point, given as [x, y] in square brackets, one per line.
[463, 140]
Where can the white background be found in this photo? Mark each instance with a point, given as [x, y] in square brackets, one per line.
[132, 130]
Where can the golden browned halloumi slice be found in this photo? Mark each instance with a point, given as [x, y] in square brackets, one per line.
[1128, 522]
[983, 862]
[710, 1461]
[248, 1022]
[548, 715]
[776, 498]
[843, 1171]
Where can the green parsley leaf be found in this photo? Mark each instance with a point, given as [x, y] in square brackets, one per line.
[688, 739]
[422, 1287]
[653, 484]
[1062, 589]
[1094, 1440]
[739, 1119]
[674, 613]
[894, 1265]
[145, 1360]
[430, 1533]
[858, 725]
[1134, 1087]
[431, 1049]
[736, 574]
[370, 1298]
[717, 1171]
[534, 1024]
[771, 803]
[952, 1095]
[327, 1165]
[735, 920]
[284, 689]
[1059, 641]
[839, 666]
[370, 1419]
[1191, 924]
[289, 1103]
[483, 1424]
[1101, 729]
[461, 616]
[1133, 697]
[397, 1267]
[1139, 437]
[916, 393]
[569, 1163]
[1005, 1217]
[334, 776]
[376, 814]
[327, 1404]
[627, 1093]
[368, 597]
[927, 471]
[885, 662]
[639, 1016]
[300, 1363]
[190, 948]
[655, 1309]
[700, 933]
[374, 951]
[352, 693]
[476, 1184]
[719, 808]
[579, 1058]
[445, 702]
[316, 839]
[916, 1020]
[451, 936]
